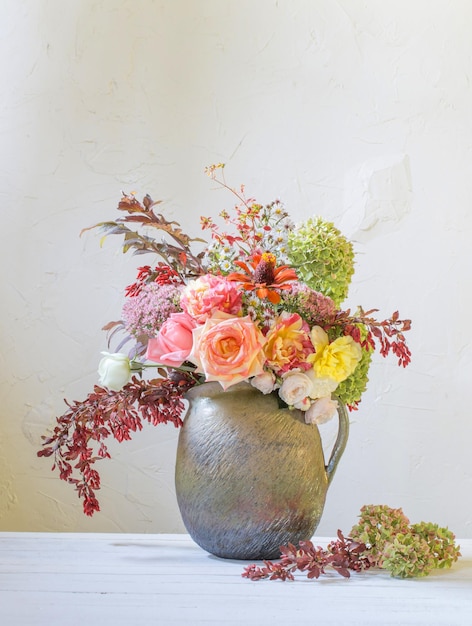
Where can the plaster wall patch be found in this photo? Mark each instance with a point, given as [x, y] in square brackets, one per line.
[7, 496]
[377, 197]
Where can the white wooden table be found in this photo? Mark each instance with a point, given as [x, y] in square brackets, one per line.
[143, 580]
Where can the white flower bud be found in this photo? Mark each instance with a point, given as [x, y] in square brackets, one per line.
[321, 411]
[264, 382]
[114, 371]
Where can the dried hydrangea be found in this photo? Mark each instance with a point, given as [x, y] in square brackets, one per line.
[405, 550]
[376, 526]
[421, 550]
[441, 542]
[407, 556]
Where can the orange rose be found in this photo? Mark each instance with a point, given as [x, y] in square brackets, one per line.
[228, 349]
[288, 344]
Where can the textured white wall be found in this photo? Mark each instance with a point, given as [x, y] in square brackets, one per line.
[357, 110]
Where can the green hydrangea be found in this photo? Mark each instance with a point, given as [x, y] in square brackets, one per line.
[323, 258]
[350, 391]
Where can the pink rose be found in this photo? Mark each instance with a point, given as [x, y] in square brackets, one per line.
[207, 294]
[174, 341]
[228, 349]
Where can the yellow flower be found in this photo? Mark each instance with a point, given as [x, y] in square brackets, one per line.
[336, 360]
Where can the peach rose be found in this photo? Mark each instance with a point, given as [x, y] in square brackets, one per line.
[174, 341]
[228, 349]
[288, 343]
[207, 294]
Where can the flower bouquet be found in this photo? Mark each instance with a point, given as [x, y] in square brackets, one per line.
[260, 303]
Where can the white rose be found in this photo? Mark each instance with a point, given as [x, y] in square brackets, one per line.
[114, 371]
[304, 404]
[295, 388]
[321, 386]
[321, 411]
[264, 382]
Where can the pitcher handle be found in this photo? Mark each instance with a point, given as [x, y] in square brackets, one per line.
[340, 443]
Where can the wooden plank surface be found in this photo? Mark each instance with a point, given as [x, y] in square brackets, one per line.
[142, 580]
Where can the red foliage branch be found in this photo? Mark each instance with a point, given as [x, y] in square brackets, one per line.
[176, 252]
[389, 332]
[78, 440]
[162, 274]
[342, 555]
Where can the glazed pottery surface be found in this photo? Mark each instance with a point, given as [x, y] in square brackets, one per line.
[250, 476]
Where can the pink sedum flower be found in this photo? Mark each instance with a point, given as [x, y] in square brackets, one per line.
[316, 306]
[288, 344]
[174, 342]
[145, 313]
[208, 294]
[228, 349]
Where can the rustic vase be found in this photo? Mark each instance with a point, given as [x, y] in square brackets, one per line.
[250, 476]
